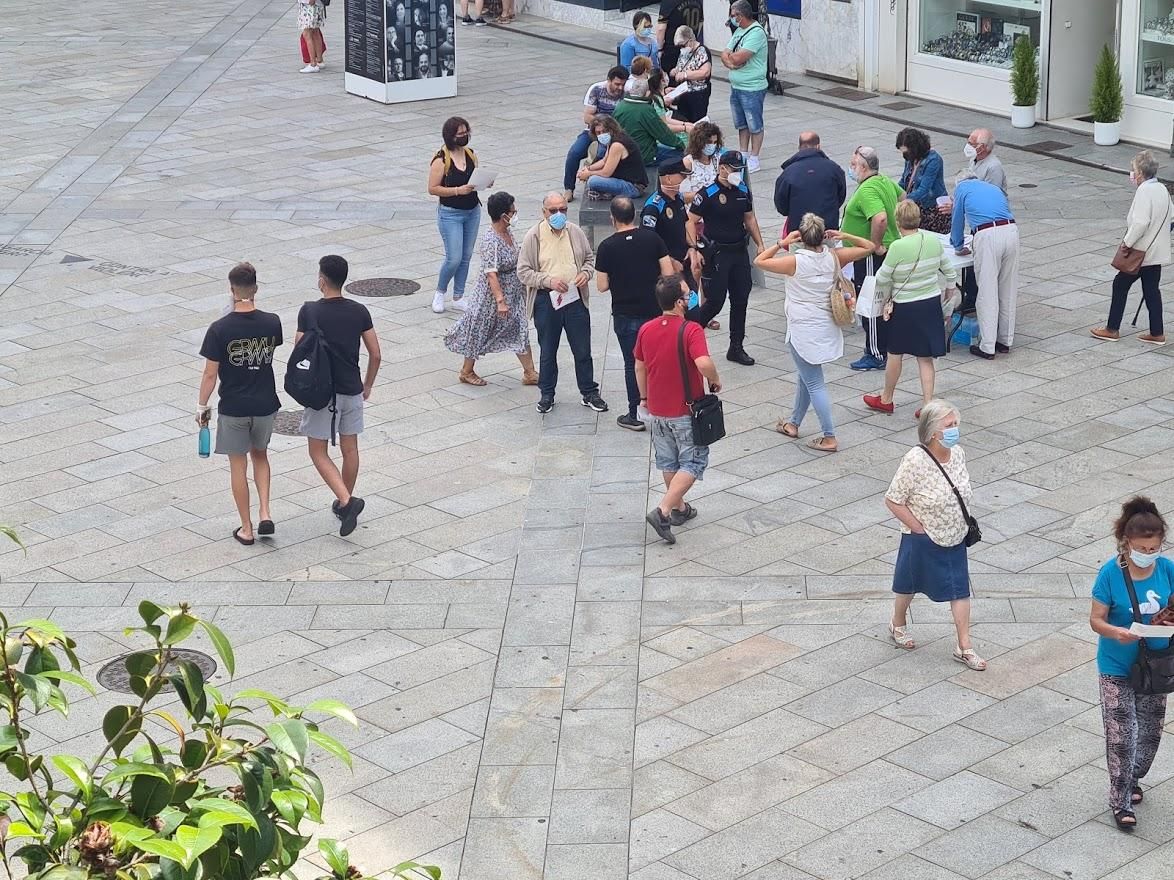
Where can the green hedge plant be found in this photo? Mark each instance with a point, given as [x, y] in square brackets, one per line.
[1024, 74]
[1106, 104]
[207, 788]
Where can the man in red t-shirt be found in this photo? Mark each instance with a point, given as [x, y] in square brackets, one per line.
[662, 391]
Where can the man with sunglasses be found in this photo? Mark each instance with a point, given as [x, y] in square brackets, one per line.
[556, 263]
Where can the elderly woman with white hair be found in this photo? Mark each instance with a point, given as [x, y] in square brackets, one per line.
[695, 68]
[930, 496]
[1147, 233]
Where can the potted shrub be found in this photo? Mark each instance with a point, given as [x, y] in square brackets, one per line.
[1024, 83]
[1106, 102]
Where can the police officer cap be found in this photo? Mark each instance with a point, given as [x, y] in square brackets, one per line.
[672, 166]
[732, 159]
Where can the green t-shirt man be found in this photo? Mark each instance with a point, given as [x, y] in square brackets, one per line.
[873, 195]
[751, 76]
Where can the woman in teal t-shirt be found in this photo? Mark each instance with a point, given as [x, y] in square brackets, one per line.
[1133, 721]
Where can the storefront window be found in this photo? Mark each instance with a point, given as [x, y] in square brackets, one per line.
[1155, 52]
[980, 31]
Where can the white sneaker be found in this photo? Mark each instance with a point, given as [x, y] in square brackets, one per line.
[309, 68]
[752, 162]
[438, 302]
[459, 304]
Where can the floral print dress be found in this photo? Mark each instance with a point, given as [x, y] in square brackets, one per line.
[481, 330]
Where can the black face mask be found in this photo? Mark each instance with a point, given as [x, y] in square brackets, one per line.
[462, 141]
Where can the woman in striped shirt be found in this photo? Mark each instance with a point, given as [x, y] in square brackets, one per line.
[910, 284]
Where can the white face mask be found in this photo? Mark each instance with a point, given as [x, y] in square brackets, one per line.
[970, 151]
[735, 178]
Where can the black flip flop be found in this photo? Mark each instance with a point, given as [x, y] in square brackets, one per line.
[1137, 796]
[265, 527]
[1120, 817]
[236, 533]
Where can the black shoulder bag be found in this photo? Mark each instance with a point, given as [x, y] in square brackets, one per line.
[973, 532]
[709, 422]
[1153, 673]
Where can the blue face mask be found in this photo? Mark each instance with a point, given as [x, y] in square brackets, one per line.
[646, 32]
[604, 139]
[709, 149]
[558, 222]
[1143, 560]
[852, 174]
[950, 437]
[733, 21]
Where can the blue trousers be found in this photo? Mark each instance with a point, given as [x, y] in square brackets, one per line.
[811, 390]
[575, 157]
[626, 329]
[550, 323]
[458, 231]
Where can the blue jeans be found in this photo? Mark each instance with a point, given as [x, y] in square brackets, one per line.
[811, 390]
[575, 157]
[626, 329]
[613, 186]
[746, 108]
[458, 231]
[663, 152]
[550, 323]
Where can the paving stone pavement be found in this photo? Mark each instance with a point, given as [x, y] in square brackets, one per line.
[546, 691]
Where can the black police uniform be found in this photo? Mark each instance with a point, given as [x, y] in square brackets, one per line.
[665, 215]
[727, 262]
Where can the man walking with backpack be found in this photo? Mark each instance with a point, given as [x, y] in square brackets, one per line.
[238, 351]
[323, 375]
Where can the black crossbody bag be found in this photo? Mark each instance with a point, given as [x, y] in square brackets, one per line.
[709, 422]
[973, 532]
[1153, 673]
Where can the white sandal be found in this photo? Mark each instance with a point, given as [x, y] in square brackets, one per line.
[970, 659]
[901, 638]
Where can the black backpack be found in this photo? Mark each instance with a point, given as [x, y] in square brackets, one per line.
[309, 378]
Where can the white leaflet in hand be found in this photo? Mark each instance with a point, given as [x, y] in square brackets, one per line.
[482, 179]
[559, 300]
[675, 93]
[1148, 631]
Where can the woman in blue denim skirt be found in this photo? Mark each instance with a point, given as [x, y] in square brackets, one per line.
[459, 212]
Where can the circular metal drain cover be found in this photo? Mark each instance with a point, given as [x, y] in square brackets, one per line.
[382, 287]
[288, 424]
[1027, 186]
[115, 677]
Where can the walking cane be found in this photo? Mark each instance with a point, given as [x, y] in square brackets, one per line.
[1138, 312]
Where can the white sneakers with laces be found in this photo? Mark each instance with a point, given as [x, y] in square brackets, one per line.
[438, 302]
[310, 68]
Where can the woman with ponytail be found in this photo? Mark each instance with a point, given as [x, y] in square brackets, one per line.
[1133, 721]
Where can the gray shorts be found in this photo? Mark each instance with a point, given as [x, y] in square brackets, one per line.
[672, 445]
[348, 418]
[236, 435]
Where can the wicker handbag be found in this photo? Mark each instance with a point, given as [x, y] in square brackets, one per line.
[841, 296]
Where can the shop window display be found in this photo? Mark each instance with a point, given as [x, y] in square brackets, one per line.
[1155, 65]
[979, 31]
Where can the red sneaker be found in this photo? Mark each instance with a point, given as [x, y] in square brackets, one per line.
[873, 401]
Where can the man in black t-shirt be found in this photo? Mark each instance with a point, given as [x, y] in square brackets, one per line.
[342, 323]
[628, 265]
[238, 352]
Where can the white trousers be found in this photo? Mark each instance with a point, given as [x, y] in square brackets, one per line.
[996, 270]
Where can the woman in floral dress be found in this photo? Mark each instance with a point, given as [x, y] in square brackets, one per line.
[496, 316]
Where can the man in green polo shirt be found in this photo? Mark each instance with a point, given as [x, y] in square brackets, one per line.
[745, 57]
[870, 213]
[638, 117]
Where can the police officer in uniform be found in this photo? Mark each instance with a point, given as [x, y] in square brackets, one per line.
[664, 214]
[728, 211]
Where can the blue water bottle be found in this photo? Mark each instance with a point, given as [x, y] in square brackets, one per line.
[205, 436]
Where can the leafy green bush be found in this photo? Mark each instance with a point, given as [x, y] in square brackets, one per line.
[1024, 74]
[1106, 102]
[223, 798]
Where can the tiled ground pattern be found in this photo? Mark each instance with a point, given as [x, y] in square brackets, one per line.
[544, 692]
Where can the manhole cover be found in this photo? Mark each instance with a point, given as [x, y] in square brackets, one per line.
[1028, 185]
[382, 287]
[900, 105]
[848, 94]
[288, 424]
[1047, 146]
[115, 677]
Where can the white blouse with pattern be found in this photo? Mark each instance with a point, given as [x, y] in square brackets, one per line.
[920, 486]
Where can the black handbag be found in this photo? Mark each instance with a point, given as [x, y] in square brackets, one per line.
[709, 422]
[973, 532]
[1153, 673]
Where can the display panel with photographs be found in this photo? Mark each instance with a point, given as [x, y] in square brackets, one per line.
[420, 39]
[977, 31]
[1155, 54]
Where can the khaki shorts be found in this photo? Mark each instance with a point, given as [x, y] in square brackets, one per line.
[348, 418]
[236, 435]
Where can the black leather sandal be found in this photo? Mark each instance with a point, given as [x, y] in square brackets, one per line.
[1125, 820]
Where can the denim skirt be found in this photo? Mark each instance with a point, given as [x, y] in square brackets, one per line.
[941, 573]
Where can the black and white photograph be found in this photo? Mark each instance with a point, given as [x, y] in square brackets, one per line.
[966, 23]
[1154, 74]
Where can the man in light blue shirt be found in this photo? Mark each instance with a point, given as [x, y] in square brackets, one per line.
[984, 207]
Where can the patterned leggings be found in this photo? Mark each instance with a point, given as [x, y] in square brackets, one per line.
[1133, 731]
